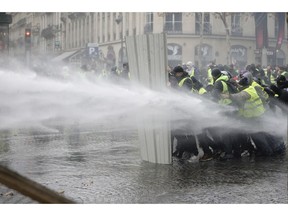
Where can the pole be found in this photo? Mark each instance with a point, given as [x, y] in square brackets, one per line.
[287, 132]
[122, 41]
[28, 58]
[118, 21]
[201, 40]
[264, 56]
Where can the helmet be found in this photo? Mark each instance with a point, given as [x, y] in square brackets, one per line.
[246, 79]
[216, 72]
[189, 63]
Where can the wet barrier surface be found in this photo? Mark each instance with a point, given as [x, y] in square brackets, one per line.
[104, 167]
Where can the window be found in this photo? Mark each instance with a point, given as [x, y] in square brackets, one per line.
[173, 22]
[236, 28]
[207, 30]
[276, 26]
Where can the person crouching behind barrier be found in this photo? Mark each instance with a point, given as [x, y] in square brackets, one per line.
[186, 140]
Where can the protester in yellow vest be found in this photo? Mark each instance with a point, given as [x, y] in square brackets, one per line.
[187, 84]
[249, 102]
[220, 87]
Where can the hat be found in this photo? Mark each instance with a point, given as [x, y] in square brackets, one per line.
[178, 69]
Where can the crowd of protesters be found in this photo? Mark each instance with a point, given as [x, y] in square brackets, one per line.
[251, 91]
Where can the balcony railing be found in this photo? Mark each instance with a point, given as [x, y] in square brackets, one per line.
[206, 31]
[236, 31]
[175, 29]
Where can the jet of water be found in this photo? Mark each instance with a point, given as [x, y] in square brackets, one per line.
[28, 99]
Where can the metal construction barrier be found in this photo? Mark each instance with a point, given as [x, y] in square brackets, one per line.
[147, 55]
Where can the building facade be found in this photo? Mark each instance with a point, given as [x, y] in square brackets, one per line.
[97, 39]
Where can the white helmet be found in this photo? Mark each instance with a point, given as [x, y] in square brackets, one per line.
[189, 63]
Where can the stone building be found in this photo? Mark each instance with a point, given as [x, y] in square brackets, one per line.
[98, 38]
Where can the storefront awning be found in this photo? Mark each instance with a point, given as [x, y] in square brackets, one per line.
[64, 56]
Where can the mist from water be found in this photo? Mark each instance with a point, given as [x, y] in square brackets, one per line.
[28, 99]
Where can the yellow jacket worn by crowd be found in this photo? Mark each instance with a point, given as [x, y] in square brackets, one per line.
[223, 79]
[252, 107]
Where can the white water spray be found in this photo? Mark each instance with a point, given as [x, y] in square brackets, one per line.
[31, 100]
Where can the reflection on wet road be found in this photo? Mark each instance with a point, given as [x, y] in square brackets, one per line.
[96, 166]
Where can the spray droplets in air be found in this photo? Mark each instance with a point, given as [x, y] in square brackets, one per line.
[29, 99]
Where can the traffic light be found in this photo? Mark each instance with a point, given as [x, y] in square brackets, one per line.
[28, 38]
[28, 33]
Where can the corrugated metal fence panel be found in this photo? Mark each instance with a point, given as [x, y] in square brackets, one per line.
[147, 55]
[158, 60]
[143, 60]
[133, 58]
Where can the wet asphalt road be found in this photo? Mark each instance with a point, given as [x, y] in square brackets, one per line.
[101, 167]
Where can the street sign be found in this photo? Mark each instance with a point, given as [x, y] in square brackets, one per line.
[93, 50]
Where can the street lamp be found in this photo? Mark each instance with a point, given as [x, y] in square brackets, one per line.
[118, 21]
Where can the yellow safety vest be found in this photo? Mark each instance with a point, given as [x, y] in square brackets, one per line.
[285, 73]
[225, 90]
[180, 84]
[254, 84]
[253, 107]
[201, 90]
[192, 72]
[209, 77]
[272, 79]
